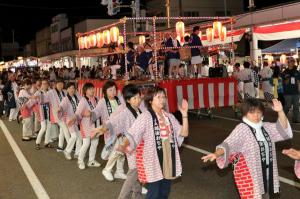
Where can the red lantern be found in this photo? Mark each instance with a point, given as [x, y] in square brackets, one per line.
[114, 34]
[100, 40]
[180, 29]
[223, 34]
[142, 39]
[106, 37]
[210, 34]
[217, 26]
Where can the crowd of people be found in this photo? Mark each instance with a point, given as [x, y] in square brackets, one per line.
[136, 127]
[140, 130]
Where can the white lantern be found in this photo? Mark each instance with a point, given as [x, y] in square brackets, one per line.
[217, 26]
[210, 34]
[142, 39]
[106, 37]
[114, 34]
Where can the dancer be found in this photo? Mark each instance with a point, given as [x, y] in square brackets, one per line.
[43, 116]
[251, 149]
[156, 136]
[68, 107]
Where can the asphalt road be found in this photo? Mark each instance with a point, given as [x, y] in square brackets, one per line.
[62, 179]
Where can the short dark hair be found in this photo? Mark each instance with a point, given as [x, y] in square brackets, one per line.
[27, 82]
[59, 80]
[246, 64]
[237, 65]
[130, 91]
[195, 28]
[70, 84]
[250, 105]
[151, 92]
[187, 38]
[108, 85]
[87, 86]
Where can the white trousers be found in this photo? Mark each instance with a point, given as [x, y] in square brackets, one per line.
[27, 127]
[116, 157]
[45, 127]
[87, 142]
[75, 138]
[13, 115]
[37, 124]
[54, 131]
[63, 134]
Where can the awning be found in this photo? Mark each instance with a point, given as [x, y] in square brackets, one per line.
[234, 36]
[287, 30]
[284, 46]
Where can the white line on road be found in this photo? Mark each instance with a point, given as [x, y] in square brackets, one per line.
[282, 179]
[31, 176]
[227, 118]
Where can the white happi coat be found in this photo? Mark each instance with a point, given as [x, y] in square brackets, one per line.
[266, 73]
[247, 75]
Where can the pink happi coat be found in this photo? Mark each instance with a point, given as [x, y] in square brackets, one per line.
[248, 171]
[26, 103]
[38, 108]
[67, 112]
[52, 98]
[141, 136]
[86, 123]
[101, 112]
[119, 123]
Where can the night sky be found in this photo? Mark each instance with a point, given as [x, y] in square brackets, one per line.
[26, 17]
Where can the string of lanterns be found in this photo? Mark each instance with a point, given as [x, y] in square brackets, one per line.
[100, 38]
[218, 31]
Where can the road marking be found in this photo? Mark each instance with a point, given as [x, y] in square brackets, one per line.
[281, 179]
[31, 176]
[227, 118]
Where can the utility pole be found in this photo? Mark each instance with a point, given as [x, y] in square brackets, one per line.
[168, 12]
[225, 8]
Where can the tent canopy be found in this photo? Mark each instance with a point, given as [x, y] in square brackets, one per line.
[284, 46]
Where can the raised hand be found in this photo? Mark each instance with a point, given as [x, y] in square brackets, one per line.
[184, 107]
[277, 106]
[292, 153]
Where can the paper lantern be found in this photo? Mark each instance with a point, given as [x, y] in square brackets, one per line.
[180, 29]
[81, 43]
[210, 34]
[142, 39]
[106, 37]
[283, 59]
[270, 59]
[92, 40]
[100, 40]
[217, 26]
[86, 42]
[121, 40]
[223, 34]
[114, 34]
